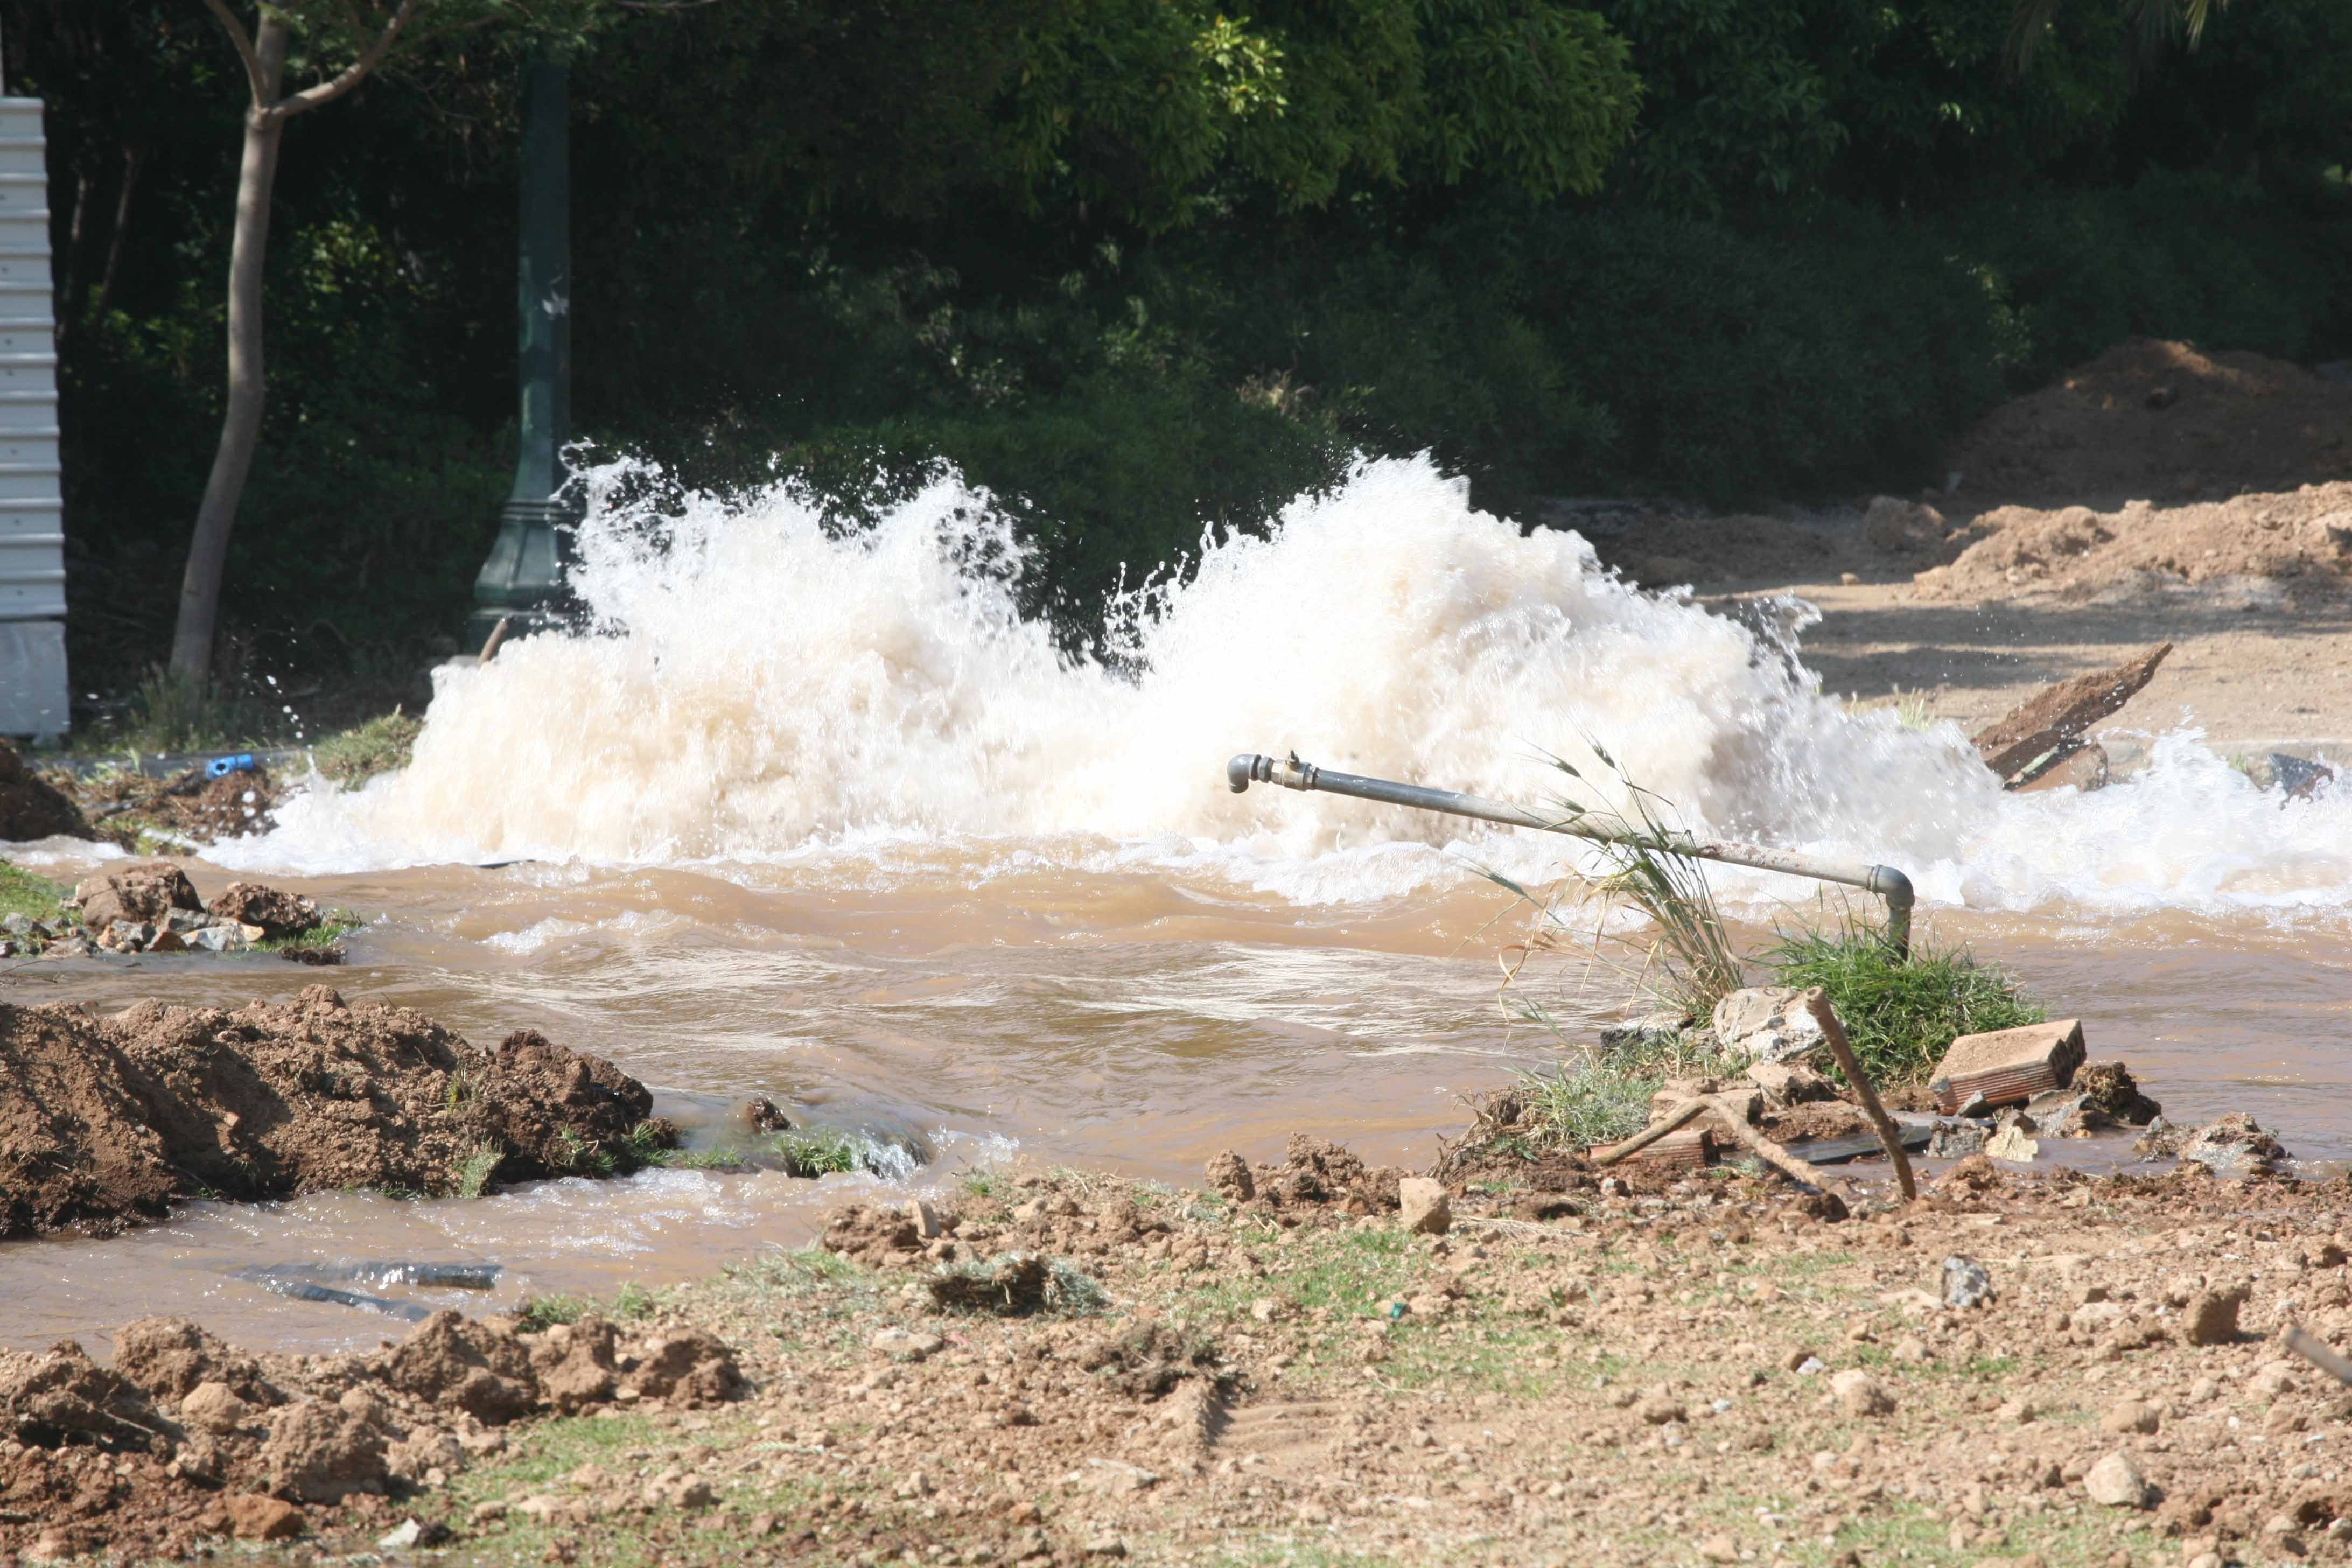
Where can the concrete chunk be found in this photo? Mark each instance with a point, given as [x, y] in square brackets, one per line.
[1768, 1023]
[1424, 1205]
[2008, 1066]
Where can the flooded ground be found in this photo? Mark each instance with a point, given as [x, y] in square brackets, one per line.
[830, 821]
[1133, 1024]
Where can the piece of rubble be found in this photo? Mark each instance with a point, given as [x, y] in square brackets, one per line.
[2231, 1146]
[2007, 1067]
[2115, 1482]
[1691, 1149]
[277, 913]
[1662, 1028]
[1859, 1394]
[2062, 713]
[2011, 1144]
[1768, 1023]
[2211, 1316]
[144, 892]
[1966, 1282]
[1229, 1176]
[2109, 1090]
[1785, 1084]
[1423, 1205]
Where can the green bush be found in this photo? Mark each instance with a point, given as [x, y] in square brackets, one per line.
[1900, 1015]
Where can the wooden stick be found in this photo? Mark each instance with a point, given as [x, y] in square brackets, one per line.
[1678, 1116]
[1817, 1001]
[1774, 1154]
[497, 640]
[2309, 1348]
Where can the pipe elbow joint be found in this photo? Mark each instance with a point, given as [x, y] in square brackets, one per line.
[1244, 767]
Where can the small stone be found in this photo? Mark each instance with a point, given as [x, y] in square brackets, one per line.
[1967, 1283]
[2015, 1412]
[924, 1218]
[1107, 1544]
[218, 939]
[488, 1512]
[2011, 1143]
[1719, 1549]
[2271, 1379]
[411, 1532]
[254, 1517]
[1659, 1407]
[2212, 1318]
[2115, 1482]
[906, 1344]
[2206, 1559]
[1859, 1394]
[1263, 1308]
[2131, 1416]
[1768, 1023]
[214, 1407]
[1424, 1207]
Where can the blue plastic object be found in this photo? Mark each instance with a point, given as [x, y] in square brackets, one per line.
[220, 767]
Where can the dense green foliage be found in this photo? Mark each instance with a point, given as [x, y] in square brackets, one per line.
[1900, 1015]
[1138, 265]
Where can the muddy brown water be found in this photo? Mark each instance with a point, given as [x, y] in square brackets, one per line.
[1134, 1021]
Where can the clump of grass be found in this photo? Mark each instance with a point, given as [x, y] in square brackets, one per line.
[1683, 958]
[477, 1165]
[985, 1184]
[1900, 1014]
[539, 1313]
[382, 745]
[1016, 1285]
[1579, 1104]
[36, 897]
[332, 927]
[817, 1152]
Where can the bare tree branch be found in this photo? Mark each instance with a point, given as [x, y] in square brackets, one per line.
[244, 42]
[351, 76]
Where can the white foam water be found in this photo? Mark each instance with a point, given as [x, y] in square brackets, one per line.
[756, 687]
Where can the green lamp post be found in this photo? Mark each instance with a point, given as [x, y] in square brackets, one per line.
[522, 580]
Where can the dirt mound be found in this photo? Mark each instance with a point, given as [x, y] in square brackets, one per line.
[1315, 1171]
[101, 1120]
[75, 1152]
[2256, 549]
[32, 808]
[193, 804]
[186, 1437]
[2153, 420]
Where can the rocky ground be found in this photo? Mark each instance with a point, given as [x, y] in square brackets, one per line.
[1049, 1367]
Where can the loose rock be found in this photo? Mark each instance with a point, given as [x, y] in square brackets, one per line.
[1424, 1207]
[2115, 1482]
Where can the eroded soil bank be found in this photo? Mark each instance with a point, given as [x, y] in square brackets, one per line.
[110, 1117]
[1057, 1368]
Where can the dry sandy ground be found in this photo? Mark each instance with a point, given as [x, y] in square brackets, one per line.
[2156, 494]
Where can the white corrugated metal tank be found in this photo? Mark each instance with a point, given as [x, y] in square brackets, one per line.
[32, 511]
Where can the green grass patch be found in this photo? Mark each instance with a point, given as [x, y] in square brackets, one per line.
[630, 1302]
[1577, 1105]
[817, 1152]
[22, 893]
[382, 745]
[1901, 1014]
[332, 927]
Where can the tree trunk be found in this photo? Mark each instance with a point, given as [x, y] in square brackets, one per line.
[192, 638]
[132, 158]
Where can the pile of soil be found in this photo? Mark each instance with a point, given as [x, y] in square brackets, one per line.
[32, 807]
[103, 1120]
[202, 810]
[2150, 420]
[2251, 551]
[185, 1439]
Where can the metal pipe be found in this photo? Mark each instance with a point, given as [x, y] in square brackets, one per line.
[1884, 880]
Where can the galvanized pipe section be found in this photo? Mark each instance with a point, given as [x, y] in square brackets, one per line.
[1884, 880]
